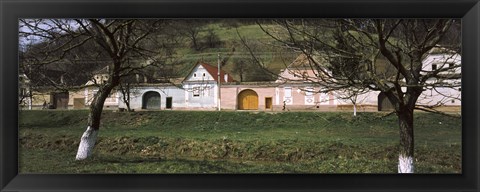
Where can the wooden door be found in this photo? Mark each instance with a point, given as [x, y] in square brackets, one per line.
[248, 100]
[59, 100]
[268, 103]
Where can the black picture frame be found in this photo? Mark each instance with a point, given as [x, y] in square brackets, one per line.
[11, 11]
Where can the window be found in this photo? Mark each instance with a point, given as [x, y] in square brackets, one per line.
[453, 100]
[288, 92]
[194, 75]
[196, 92]
[434, 67]
[204, 74]
[323, 97]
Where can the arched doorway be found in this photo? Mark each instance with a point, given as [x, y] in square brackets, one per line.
[248, 100]
[151, 100]
[383, 103]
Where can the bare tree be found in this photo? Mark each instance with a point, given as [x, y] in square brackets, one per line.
[127, 89]
[384, 55]
[254, 65]
[92, 43]
[212, 40]
[191, 29]
[354, 95]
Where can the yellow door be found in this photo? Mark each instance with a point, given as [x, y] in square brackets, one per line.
[248, 100]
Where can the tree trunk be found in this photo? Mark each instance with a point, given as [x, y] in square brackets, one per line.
[406, 156]
[354, 110]
[194, 42]
[87, 142]
[89, 137]
[127, 103]
[125, 89]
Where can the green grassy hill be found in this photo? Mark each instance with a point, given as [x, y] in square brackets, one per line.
[235, 142]
[231, 47]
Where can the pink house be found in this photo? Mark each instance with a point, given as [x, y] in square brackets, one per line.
[293, 90]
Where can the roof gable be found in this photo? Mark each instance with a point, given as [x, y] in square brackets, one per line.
[211, 74]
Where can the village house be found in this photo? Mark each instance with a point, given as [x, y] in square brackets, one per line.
[42, 94]
[205, 88]
[442, 93]
[198, 90]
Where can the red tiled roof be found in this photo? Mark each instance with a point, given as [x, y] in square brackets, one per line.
[213, 72]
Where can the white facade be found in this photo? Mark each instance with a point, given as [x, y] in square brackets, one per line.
[201, 89]
[167, 93]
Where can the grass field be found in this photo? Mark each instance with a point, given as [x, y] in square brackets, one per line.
[235, 142]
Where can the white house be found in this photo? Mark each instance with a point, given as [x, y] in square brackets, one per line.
[155, 97]
[201, 86]
[198, 90]
[445, 92]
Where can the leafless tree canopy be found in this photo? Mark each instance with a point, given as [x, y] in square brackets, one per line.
[386, 55]
[77, 48]
[378, 54]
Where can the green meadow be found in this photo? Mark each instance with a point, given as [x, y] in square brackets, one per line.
[235, 142]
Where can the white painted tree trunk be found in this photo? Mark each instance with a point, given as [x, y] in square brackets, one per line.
[405, 164]
[87, 142]
[354, 110]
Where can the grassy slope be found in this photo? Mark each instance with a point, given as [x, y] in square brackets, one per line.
[229, 37]
[194, 141]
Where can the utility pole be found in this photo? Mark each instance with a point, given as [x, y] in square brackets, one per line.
[219, 80]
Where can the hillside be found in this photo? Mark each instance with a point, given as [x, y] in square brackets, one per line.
[232, 52]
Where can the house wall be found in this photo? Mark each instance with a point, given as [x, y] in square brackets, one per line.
[201, 95]
[73, 95]
[442, 61]
[112, 100]
[302, 97]
[364, 102]
[38, 98]
[305, 97]
[229, 95]
[136, 97]
[441, 96]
